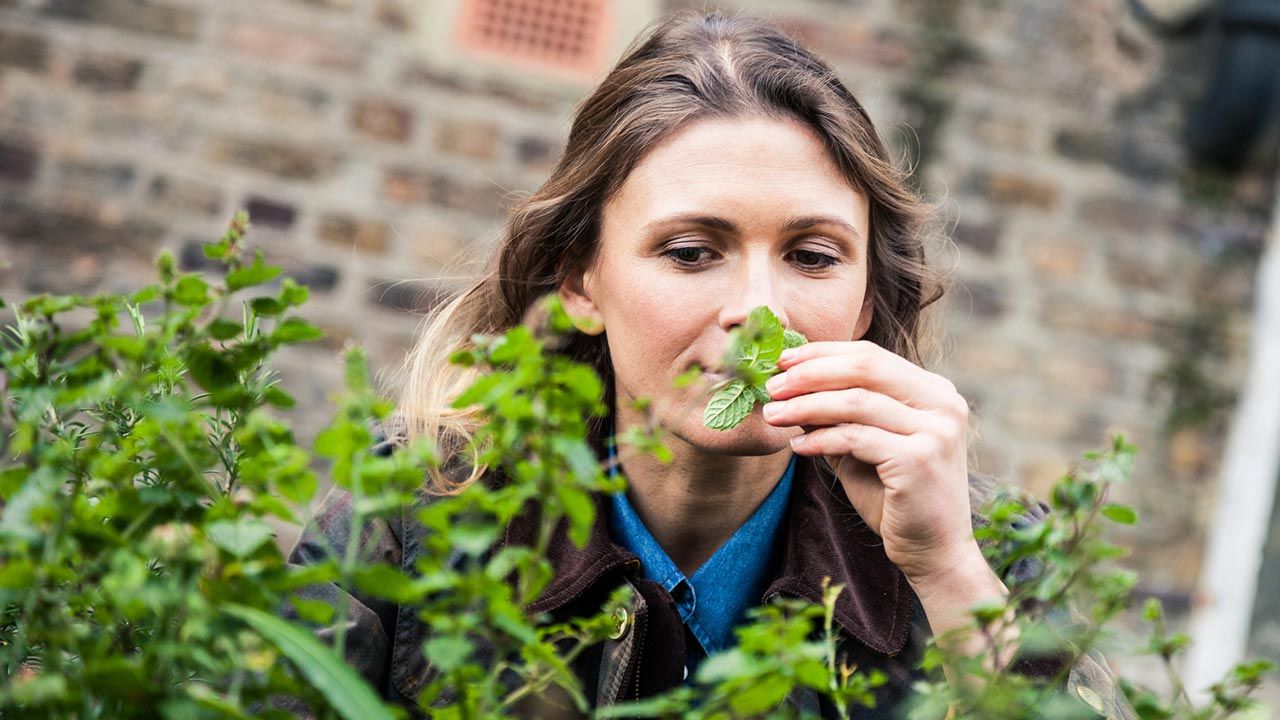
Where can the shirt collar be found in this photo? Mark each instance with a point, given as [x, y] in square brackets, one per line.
[714, 599]
[823, 536]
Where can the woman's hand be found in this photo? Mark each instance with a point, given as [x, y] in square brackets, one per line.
[895, 435]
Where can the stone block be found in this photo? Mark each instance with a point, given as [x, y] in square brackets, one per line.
[982, 237]
[107, 72]
[392, 15]
[1077, 315]
[270, 213]
[409, 296]
[984, 300]
[382, 119]
[367, 236]
[405, 186]
[1055, 258]
[95, 177]
[274, 43]
[77, 227]
[536, 153]
[179, 195]
[274, 157]
[142, 16]
[1018, 190]
[19, 161]
[23, 50]
[470, 138]
[1129, 215]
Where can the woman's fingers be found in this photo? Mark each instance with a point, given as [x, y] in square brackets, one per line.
[849, 405]
[868, 443]
[837, 365]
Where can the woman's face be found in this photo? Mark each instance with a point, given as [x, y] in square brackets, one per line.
[725, 215]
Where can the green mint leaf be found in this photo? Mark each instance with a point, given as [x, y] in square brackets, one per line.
[752, 356]
[729, 406]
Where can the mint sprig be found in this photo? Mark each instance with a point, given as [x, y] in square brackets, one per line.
[751, 359]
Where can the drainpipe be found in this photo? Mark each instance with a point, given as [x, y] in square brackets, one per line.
[1223, 609]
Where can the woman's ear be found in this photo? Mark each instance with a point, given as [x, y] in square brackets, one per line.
[865, 315]
[575, 295]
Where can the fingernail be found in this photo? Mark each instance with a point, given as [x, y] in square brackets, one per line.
[771, 409]
[787, 354]
[798, 440]
[775, 383]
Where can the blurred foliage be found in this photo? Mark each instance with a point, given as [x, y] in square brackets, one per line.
[139, 578]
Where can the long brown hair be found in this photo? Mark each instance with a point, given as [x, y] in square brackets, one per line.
[685, 67]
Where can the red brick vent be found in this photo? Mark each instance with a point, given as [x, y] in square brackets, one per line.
[565, 35]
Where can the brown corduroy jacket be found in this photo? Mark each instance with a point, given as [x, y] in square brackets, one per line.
[880, 618]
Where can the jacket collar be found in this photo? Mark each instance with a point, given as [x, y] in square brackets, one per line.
[823, 536]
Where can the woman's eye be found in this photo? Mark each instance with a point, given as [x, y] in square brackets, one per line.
[813, 260]
[689, 255]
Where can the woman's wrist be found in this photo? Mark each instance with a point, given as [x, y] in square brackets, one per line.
[952, 589]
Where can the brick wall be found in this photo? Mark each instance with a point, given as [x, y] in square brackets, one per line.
[1094, 261]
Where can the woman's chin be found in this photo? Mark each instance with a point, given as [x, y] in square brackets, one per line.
[753, 437]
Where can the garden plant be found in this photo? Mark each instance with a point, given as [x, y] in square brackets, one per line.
[145, 461]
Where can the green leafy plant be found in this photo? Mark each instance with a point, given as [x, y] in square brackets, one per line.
[751, 359]
[145, 467]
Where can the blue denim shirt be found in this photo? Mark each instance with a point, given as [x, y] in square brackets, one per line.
[715, 599]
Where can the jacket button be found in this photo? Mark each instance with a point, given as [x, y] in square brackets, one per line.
[622, 621]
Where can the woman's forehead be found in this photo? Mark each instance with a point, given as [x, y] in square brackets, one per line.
[743, 167]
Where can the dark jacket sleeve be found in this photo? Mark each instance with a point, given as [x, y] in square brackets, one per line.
[370, 621]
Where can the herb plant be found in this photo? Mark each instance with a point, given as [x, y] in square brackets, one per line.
[144, 463]
[751, 359]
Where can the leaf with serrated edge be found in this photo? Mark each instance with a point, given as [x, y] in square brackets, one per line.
[729, 406]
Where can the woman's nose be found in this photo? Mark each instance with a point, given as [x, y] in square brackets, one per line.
[754, 285]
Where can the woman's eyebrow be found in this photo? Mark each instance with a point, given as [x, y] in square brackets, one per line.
[719, 223]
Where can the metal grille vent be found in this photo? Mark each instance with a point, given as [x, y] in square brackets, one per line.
[566, 35]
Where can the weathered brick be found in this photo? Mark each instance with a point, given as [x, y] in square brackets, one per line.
[270, 213]
[191, 257]
[328, 4]
[78, 227]
[286, 160]
[1077, 315]
[392, 15]
[984, 300]
[472, 138]
[107, 72]
[1039, 469]
[998, 129]
[982, 358]
[320, 278]
[179, 195]
[420, 74]
[63, 271]
[23, 50]
[1130, 150]
[1129, 215]
[1072, 373]
[19, 161]
[982, 237]
[1019, 190]
[282, 99]
[1055, 258]
[410, 187]
[411, 296]
[382, 119]
[142, 16]
[370, 236]
[537, 153]
[277, 43]
[95, 177]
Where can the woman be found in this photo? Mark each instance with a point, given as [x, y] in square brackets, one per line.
[720, 167]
